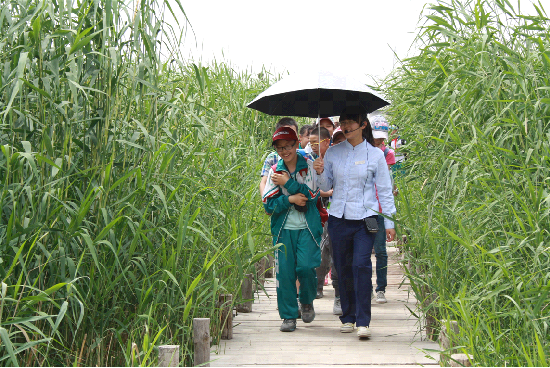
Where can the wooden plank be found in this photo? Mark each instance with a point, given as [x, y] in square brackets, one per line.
[395, 339]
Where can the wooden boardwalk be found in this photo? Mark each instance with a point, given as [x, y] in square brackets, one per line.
[394, 340]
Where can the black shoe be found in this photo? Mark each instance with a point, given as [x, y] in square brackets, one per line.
[308, 313]
[319, 294]
[288, 325]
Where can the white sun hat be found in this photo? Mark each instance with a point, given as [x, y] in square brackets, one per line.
[380, 126]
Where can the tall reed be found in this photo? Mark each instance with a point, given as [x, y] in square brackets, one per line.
[474, 103]
[128, 192]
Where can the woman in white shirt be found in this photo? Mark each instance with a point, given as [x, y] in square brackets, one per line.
[356, 170]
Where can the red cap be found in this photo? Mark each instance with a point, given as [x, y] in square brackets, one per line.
[286, 133]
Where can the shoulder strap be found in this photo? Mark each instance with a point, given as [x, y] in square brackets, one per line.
[386, 151]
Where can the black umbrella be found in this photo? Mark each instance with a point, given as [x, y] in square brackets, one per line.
[316, 95]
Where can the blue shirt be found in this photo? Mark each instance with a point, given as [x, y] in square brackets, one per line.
[353, 173]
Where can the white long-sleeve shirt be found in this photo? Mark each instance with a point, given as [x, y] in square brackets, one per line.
[353, 172]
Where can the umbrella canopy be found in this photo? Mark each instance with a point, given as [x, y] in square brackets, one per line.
[316, 94]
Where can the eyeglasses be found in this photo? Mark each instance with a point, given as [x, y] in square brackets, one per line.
[347, 122]
[285, 148]
[317, 144]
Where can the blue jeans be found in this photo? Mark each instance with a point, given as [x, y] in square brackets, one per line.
[381, 256]
[351, 250]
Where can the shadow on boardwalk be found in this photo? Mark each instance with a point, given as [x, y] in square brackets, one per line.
[394, 333]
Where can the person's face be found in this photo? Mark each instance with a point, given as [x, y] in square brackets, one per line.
[318, 147]
[286, 149]
[355, 131]
[378, 141]
[338, 139]
[304, 140]
[328, 125]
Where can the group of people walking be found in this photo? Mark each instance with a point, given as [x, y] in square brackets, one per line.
[346, 169]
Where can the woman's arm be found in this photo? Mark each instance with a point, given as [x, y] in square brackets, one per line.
[384, 186]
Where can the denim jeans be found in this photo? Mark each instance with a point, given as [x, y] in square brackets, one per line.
[381, 256]
[351, 249]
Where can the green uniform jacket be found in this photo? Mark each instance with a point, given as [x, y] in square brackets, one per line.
[275, 198]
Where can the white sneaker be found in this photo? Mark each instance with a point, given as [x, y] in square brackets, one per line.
[363, 331]
[346, 327]
[381, 297]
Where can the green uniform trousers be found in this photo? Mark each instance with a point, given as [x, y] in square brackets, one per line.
[297, 258]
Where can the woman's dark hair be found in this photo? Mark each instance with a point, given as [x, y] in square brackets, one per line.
[304, 130]
[360, 116]
[286, 122]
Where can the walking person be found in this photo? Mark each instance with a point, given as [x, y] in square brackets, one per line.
[273, 157]
[353, 168]
[320, 142]
[290, 196]
[380, 128]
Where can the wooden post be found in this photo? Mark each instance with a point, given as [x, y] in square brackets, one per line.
[201, 340]
[461, 360]
[169, 356]
[447, 337]
[269, 269]
[247, 293]
[226, 316]
[260, 273]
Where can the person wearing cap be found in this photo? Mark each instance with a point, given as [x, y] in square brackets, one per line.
[290, 197]
[273, 157]
[396, 144]
[355, 169]
[327, 124]
[380, 128]
[338, 136]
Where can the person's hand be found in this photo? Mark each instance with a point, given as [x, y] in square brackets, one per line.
[298, 199]
[390, 234]
[330, 192]
[319, 165]
[280, 179]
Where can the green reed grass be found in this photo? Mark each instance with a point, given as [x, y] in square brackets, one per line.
[128, 195]
[475, 106]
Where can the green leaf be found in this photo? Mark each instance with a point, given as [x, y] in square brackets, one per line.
[91, 247]
[60, 316]
[18, 80]
[9, 347]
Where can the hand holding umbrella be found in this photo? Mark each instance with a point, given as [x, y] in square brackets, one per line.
[319, 165]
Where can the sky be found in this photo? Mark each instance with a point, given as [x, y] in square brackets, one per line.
[297, 35]
[361, 37]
